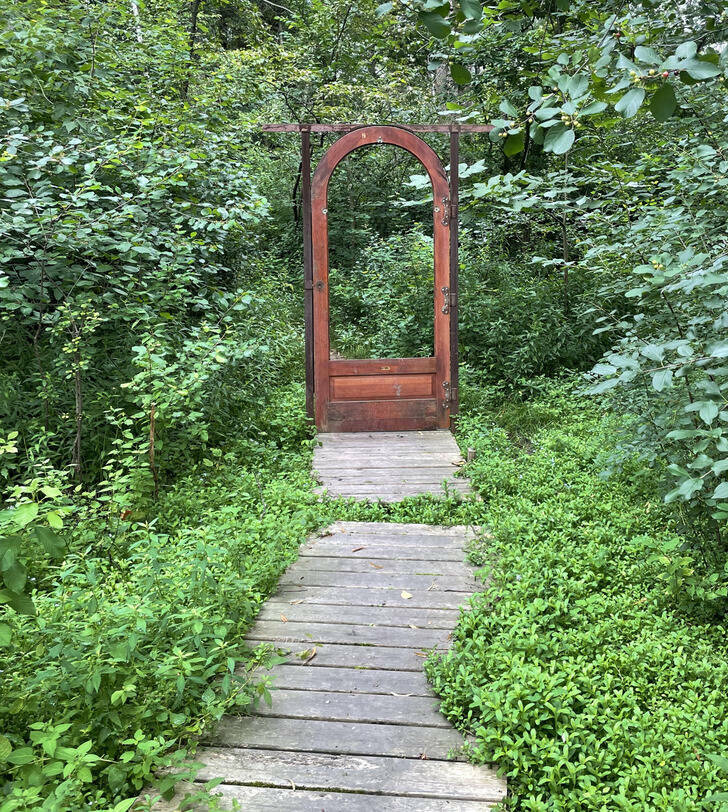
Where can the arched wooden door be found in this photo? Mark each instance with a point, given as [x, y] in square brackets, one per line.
[386, 394]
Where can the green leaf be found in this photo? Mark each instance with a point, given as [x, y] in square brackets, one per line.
[631, 102]
[719, 350]
[385, 8]
[460, 75]
[5, 748]
[54, 520]
[662, 379]
[720, 761]
[721, 492]
[15, 577]
[471, 9]
[51, 543]
[514, 143]
[559, 139]
[5, 637]
[22, 603]
[700, 69]
[663, 103]
[435, 24]
[21, 756]
[24, 514]
[708, 411]
[647, 55]
[593, 108]
[123, 806]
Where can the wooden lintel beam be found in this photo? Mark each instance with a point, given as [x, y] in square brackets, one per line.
[343, 128]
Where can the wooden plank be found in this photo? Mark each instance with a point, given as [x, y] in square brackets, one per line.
[377, 774]
[354, 415]
[400, 476]
[372, 596]
[345, 128]
[383, 565]
[449, 583]
[360, 615]
[399, 529]
[385, 366]
[355, 738]
[394, 636]
[400, 553]
[415, 711]
[400, 489]
[274, 799]
[349, 680]
[430, 434]
[381, 387]
[338, 656]
[393, 538]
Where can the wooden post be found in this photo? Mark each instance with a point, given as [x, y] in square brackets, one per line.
[307, 266]
[454, 160]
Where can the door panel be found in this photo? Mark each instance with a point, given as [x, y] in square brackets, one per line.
[381, 394]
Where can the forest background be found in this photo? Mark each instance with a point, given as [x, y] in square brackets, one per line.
[154, 451]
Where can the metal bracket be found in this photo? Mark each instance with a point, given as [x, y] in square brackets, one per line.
[453, 300]
[448, 394]
[446, 300]
[453, 210]
[446, 211]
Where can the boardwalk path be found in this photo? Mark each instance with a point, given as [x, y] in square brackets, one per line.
[354, 727]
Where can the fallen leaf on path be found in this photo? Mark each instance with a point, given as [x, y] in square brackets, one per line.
[406, 595]
[307, 655]
[356, 549]
[376, 566]
[299, 600]
[284, 618]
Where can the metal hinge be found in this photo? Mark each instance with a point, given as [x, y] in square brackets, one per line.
[446, 211]
[448, 394]
[445, 300]
[453, 300]
[453, 210]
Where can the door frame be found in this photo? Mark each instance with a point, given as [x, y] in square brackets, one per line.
[316, 260]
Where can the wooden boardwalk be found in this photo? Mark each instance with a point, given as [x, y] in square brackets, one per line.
[388, 465]
[354, 726]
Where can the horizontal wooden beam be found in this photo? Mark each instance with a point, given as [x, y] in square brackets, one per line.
[345, 128]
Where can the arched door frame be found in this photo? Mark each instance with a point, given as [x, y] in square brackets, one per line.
[444, 353]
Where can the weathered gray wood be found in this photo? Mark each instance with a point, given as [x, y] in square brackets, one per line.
[273, 799]
[353, 724]
[389, 467]
[445, 583]
[387, 566]
[349, 680]
[354, 738]
[313, 655]
[389, 528]
[392, 538]
[415, 711]
[359, 615]
[392, 551]
[392, 636]
[373, 596]
[378, 774]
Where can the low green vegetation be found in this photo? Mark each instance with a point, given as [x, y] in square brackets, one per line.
[154, 452]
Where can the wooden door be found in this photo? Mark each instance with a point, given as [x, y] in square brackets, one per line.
[387, 394]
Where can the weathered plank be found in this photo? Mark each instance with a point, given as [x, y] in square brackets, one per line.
[354, 738]
[392, 636]
[383, 550]
[349, 680]
[387, 566]
[362, 616]
[391, 538]
[373, 596]
[445, 583]
[389, 528]
[273, 799]
[377, 774]
[415, 711]
[313, 655]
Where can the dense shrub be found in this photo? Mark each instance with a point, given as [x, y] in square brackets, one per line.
[576, 672]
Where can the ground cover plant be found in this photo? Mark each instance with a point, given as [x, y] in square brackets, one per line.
[154, 452]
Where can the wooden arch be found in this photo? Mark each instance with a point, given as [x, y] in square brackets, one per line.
[383, 394]
[336, 391]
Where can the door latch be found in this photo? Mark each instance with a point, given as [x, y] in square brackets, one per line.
[446, 300]
[448, 394]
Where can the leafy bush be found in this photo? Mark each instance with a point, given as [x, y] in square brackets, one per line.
[575, 672]
[139, 629]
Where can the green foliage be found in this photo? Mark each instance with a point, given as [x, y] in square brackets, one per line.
[137, 651]
[573, 671]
